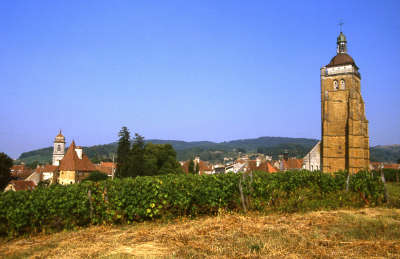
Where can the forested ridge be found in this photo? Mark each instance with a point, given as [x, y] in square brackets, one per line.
[213, 151]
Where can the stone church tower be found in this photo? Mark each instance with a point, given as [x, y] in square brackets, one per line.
[58, 149]
[345, 141]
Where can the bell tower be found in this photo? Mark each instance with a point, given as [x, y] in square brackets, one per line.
[58, 149]
[345, 141]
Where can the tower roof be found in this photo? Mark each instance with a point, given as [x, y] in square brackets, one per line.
[341, 59]
[60, 137]
[341, 38]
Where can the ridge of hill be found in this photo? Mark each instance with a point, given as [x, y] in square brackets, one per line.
[216, 151]
[207, 150]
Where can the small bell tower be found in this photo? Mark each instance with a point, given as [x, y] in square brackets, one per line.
[58, 149]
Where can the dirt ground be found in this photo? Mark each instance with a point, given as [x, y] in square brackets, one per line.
[365, 233]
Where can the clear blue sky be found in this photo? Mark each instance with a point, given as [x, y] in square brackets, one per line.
[187, 70]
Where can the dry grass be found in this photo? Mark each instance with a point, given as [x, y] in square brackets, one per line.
[328, 234]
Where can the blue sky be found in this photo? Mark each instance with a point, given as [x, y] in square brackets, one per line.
[187, 70]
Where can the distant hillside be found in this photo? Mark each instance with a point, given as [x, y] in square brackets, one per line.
[212, 151]
[207, 150]
[388, 153]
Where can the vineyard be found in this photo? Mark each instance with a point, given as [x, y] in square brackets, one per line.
[123, 201]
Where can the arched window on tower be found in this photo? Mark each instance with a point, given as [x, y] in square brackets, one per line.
[58, 148]
[335, 85]
[342, 84]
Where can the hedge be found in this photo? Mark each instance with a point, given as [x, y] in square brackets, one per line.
[145, 198]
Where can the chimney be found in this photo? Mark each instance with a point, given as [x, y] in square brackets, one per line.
[78, 151]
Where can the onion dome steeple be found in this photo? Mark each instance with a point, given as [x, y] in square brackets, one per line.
[341, 58]
[60, 138]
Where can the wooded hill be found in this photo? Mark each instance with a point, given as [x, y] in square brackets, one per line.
[214, 152]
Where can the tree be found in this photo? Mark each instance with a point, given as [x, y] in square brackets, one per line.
[137, 161]
[5, 165]
[191, 167]
[33, 165]
[197, 168]
[398, 161]
[241, 150]
[123, 152]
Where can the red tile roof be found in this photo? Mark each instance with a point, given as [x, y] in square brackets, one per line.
[264, 166]
[18, 168]
[377, 165]
[391, 166]
[46, 168]
[292, 163]
[203, 166]
[104, 169]
[107, 164]
[21, 185]
[20, 171]
[71, 161]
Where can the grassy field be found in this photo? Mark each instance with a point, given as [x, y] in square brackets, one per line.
[363, 233]
[394, 194]
[370, 232]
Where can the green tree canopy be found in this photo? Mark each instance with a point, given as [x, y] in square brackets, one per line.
[191, 167]
[137, 160]
[197, 168]
[96, 176]
[160, 159]
[123, 152]
[5, 165]
[145, 159]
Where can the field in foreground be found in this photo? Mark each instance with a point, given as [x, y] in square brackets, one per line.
[370, 232]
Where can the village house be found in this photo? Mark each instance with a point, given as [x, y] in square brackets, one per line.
[47, 172]
[380, 165]
[290, 164]
[203, 166]
[238, 166]
[107, 168]
[20, 172]
[263, 166]
[75, 166]
[312, 161]
[20, 185]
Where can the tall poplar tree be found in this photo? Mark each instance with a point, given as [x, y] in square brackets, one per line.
[123, 153]
[137, 161]
[191, 167]
[197, 168]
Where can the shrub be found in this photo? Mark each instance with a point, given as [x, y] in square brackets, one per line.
[96, 176]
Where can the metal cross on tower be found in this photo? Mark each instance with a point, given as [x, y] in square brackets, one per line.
[340, 25]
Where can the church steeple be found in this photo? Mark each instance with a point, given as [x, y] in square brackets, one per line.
[345, 140]
[341, 44]
[59, 149]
